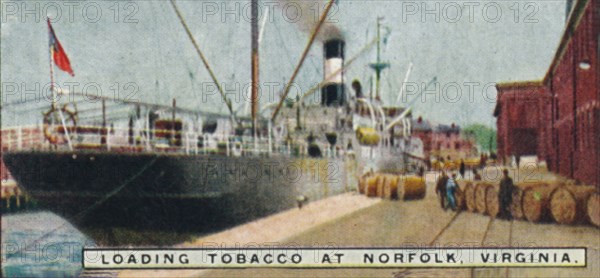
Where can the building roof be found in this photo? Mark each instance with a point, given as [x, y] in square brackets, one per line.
[447, 128]
[519, 84]
[572, 23]
[422, 125]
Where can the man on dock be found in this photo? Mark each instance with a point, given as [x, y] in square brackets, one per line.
[476, 175]
[505, 194]
[440, 188]
[451, 191]
[301, 200]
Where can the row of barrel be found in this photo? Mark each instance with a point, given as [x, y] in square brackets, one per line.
[392, 187]
[453, 165]
[14, 200]
[535, 202]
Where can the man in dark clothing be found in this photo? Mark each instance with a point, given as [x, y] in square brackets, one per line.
[440, 189]
[505, 194]
[476, 175]
[482, 161]
[462, 169]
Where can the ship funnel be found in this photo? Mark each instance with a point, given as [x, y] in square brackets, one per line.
[332, 93]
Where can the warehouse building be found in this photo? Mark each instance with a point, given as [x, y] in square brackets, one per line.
[523, 113]
[443, 141]
[558, 118]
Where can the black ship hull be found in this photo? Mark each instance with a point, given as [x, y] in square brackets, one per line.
[162, 191]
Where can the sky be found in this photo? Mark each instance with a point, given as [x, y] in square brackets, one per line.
[138, 50]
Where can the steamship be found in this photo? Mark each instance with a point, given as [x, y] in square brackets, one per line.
[167, 168]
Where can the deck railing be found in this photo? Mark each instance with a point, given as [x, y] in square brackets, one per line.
[22, 137]
[168, 141]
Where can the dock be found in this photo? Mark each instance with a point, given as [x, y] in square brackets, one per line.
[353, 220]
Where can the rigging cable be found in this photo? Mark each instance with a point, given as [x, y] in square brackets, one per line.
[319, 85]
[204, 60]
[313, 36]
[348, 63]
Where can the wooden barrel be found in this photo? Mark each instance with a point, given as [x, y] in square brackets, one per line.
[6, 196]
[362, 182]
[19, 196]
[516, 208]
[568, 203]
[371, 187]
[480, 190]
[460, 195]
[470, 196]
[593, 209]
[535, 202]
[492, 201]
[450, 166]
[380, 182]
[390, 187]
[411, 188]
[460, 200]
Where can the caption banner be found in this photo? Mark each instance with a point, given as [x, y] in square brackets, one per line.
[332, 258]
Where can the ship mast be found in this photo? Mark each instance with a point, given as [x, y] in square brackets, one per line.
[378, 66]
[255, 64]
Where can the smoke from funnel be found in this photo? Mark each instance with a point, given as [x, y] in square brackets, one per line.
[306, 15]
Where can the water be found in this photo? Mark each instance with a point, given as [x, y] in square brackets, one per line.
[41, 244]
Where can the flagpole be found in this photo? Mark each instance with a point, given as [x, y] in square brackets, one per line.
[52, 89]
[53, 106]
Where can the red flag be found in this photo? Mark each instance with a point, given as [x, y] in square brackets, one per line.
[59, 56]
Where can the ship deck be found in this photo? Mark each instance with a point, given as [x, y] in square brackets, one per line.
[352, 220]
